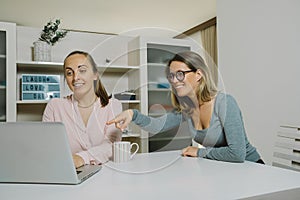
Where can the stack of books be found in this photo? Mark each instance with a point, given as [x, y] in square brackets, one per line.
[126, 95]
[287, 148]
[40, 87]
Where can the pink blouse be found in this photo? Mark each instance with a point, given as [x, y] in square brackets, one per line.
[92, 142]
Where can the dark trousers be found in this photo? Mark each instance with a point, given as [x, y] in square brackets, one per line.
[260, 161]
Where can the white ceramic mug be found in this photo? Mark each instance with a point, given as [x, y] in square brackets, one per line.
[122, 151]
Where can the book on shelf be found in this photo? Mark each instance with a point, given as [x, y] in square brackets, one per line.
[126, 95]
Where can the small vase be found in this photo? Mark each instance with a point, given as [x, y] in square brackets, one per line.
[42, 51]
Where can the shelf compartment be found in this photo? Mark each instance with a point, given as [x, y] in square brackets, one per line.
[127, 135]
[46, 101]
[130, 101]
[159, 90]
[116, 68]
[32, 101]
[36, 66]
[57, 66]
[2, 118]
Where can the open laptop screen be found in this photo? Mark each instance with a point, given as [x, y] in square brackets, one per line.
[36, 152]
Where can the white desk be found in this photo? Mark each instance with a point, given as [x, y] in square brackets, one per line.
[167, 175]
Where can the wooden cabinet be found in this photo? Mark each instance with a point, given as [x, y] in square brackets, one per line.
[7, 71]
[152, 55]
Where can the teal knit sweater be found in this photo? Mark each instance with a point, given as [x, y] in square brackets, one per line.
[225, 139]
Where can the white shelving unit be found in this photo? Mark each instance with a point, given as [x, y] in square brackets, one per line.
[31, 110]
[117, 76]
[136, 64]
[7, 71]
[56, 68]
[152, 55]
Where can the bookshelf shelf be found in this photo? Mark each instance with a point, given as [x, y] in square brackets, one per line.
[46, 101]
[128, 135]
[58, 66]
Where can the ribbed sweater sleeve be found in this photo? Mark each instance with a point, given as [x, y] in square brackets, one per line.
[233, 126]
[156, 124]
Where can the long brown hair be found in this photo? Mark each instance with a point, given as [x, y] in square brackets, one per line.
[100, 90]
[207, 87]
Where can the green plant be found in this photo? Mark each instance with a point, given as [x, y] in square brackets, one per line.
[51, 32]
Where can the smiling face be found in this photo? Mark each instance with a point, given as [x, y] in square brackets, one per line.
[79, 75]
[189, 85]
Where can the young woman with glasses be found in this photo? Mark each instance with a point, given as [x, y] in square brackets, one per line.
[214, 118]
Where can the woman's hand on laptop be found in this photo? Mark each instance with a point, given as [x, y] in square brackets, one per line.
[78, 161]
[122, 120]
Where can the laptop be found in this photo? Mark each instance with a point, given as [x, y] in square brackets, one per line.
[38, 152]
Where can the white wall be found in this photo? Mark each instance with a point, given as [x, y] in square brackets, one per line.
[259, 61]
[100, 46]
[112, 16]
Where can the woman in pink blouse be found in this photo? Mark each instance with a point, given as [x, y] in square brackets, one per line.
[85, 112]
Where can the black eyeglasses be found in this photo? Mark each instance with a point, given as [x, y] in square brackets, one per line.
[180, 75]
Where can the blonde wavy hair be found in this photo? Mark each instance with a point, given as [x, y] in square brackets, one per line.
[207, 87]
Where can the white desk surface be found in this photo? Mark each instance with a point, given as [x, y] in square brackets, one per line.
[167, 175]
